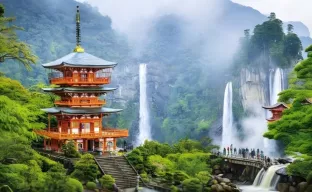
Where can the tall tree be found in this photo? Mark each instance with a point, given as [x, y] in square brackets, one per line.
[10, 46]
[290, 28]
[272, 16]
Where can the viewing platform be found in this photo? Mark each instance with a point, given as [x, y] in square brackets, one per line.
[105, 133]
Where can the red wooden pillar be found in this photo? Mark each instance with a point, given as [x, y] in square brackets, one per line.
[104, 145]
[44, 144]
[114, 147]
[85, 144]
[49, 125]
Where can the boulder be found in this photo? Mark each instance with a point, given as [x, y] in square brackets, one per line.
[283, 187]
[220, 188]
[226, 180]
[309, 188]
[228, 188]
[292, 189]
[213, 188]
[282, 171]
[217, 172]
[302, 186]
[220, 175]
[219, 179]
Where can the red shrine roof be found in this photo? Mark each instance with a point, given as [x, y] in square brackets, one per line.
[275, 106]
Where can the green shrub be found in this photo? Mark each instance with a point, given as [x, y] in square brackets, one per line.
[192, 184]
[144, 177]
[169, 177]
[179, 176]
[174, 189]
[5, 188]
[107, 182]
[73, 185]
[70, 150]
[91, 185]
[86, 169]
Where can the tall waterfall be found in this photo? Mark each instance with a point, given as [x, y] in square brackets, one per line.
[276, 85]
[227, 121]
[144, 126]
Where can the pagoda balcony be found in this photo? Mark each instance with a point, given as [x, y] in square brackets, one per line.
[80, 81]
[82, 101]
[105, 133]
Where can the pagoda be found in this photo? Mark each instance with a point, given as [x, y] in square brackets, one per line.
[276, 110]
[80, 78]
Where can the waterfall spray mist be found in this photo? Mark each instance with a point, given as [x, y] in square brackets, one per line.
[227, 121]
[144, 126]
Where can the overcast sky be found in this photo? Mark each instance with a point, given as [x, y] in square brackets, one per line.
[286, 10]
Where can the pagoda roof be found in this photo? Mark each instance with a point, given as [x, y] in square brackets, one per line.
[79, 89]
[71, 111]
[80, 59]
[276, 106]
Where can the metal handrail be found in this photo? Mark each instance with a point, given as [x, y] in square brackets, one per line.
[102, 170]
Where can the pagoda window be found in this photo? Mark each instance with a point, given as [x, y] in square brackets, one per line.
[68, 74]
[96, 127]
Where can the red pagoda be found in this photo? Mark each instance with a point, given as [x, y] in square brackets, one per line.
[79, 112]
[276, 110]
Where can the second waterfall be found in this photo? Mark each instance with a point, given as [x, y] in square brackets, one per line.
[144, 125]
[227, 119]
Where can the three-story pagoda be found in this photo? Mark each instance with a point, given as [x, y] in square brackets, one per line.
[80, 78]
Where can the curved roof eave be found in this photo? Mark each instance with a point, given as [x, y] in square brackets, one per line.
[77, 59]
[77, 89]
[73, 111]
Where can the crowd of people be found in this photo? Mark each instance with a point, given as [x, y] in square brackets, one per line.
[245, 153]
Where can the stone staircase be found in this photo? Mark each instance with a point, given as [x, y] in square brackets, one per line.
[119, 168]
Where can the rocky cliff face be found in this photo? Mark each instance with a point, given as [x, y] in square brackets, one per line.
[254, 88]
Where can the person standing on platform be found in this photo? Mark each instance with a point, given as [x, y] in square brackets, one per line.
[224, 151]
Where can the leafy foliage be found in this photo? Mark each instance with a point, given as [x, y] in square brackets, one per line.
[70, 150]
[11, 47]
[86, 169]
[107, 182]
[91, 185]
[187, 159]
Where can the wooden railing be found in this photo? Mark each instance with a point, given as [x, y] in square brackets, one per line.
[84, 101]
[71, 80]
[105, 133]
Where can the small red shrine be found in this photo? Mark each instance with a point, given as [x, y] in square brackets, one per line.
[79, 112]
[276, 110]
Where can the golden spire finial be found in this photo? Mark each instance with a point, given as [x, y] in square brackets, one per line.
[78, 47]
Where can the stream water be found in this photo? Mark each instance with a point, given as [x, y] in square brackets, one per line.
[265, 180]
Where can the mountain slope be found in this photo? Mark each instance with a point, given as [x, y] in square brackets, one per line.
[50, 29]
